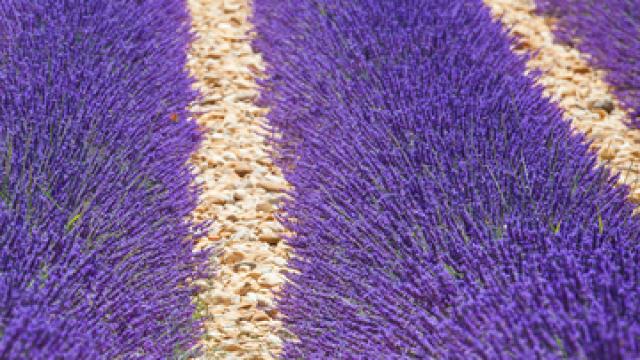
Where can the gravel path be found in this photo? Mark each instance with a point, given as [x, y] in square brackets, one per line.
[241, 188]
[580, 90]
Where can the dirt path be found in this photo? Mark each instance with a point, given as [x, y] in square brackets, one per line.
[579, 89]
[241, 188]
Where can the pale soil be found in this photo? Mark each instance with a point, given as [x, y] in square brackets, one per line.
[241, 188]
[580, 90]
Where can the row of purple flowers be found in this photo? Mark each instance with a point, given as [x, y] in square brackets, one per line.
[442, 208]
[95, 249]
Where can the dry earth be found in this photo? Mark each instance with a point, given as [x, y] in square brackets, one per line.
[241, 188]
[579, 89]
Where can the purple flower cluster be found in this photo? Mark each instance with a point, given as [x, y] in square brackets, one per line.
[442, 208]
[95, 247]
[609, 31]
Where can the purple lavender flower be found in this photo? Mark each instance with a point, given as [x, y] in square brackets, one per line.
[442, 208]
[95, 248]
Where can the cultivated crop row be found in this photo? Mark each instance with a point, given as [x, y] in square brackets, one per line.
[442, 207]
[95, 251]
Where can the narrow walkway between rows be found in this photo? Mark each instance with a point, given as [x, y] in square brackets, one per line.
[241, 188]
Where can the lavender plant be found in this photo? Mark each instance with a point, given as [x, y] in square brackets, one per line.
[96, 253]
[609, 32]
[442, 208]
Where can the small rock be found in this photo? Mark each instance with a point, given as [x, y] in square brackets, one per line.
[244, 289]
[271, 186]
[231, 7]
[280, 261]
[202, 283]
[229, 156]
[601, 113]
[242, 169]
[217, 136]
[244, 315]
[251, 298]
[604, 104]
[217, 199]
[260, 316]
[213, 333]
[233, 257]
[607, 153]
[274, 340]
[244, 266]
[222, 298]
[224, 26]
[229, 333]
[248, 328]
[269, 238]
[263, 301]
[232, 347]
[272, 313]
[229, 186]
[270, 280]
[264, 207]
[240, 195]
[241, 234]
[246, 95]
[581, 68]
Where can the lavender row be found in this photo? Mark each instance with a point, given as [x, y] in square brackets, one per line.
[609, 32]
[442, 206]
[95, 248]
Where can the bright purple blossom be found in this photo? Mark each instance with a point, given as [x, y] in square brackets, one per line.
[95, 246]
[442, 208]
[609, 32]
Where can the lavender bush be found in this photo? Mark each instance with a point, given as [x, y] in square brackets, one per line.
[95, 251]
[442, 207]
[609, 31]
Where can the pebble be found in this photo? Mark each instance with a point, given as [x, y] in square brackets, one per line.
[232, 347]
[233, 257]
[273, 339]
[604, 104]
[240, 195]
[218, 199]
[272, 186]
[260, 316]
[243, 169]
[269, 237]
[244, 266]
[222, 298]
[231, 8]
[264, 207]
[270, 280]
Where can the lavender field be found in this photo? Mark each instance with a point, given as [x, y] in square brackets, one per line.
[318, 179]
